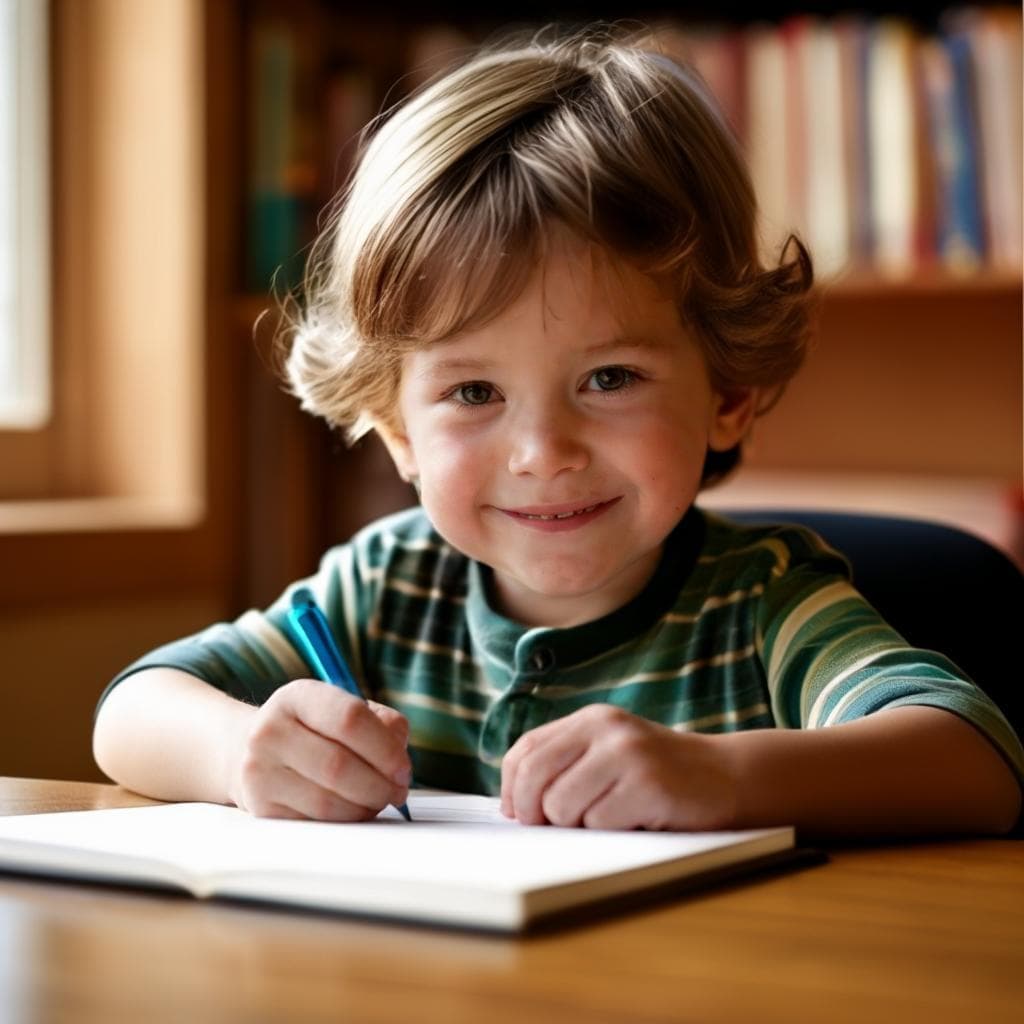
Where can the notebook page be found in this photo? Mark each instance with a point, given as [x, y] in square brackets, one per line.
[455, 840]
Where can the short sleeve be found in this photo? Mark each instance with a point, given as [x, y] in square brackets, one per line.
[830, 658]
[252, 656]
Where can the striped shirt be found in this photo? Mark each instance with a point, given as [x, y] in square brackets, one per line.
[739, 628]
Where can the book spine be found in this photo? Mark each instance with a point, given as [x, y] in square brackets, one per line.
[995, 43]
[826, 185]
[963, 244]
[767, 134]
[795, 35]
[891, 152]
[282, 178]
[348, 106]
[853, 34]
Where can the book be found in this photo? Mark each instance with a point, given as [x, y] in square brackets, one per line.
[993, 38]
[282, 174]
[948, 85]
[458, 863]
[348, 107]
[817, 49]
[794, 34]
[853, 33]
[892, 151]
[768, 131]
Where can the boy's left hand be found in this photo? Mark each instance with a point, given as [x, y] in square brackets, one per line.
[602, 767]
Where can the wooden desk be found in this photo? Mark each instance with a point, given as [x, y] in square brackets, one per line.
[929, 932]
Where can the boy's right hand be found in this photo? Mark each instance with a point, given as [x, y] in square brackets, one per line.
[314, 751]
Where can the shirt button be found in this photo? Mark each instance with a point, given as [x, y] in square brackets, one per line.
[542, 659]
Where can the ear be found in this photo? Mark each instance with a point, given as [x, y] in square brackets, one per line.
[400, 450]
[732, 414]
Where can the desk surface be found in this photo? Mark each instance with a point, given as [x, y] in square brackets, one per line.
[925, 932]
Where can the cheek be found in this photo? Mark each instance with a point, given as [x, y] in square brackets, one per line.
[666, 442]
[450, 466]
[453, 486]
[670, 461]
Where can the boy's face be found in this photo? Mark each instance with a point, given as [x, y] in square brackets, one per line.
[561, 443]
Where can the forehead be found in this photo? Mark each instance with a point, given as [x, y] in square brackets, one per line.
[581, 290]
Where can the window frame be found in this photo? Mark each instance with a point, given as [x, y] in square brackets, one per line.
[79, 535]
[29, 407]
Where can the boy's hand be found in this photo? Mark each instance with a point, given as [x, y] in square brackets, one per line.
[314, 751]
[604, 768]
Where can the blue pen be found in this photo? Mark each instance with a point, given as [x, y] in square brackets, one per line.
[318, 645]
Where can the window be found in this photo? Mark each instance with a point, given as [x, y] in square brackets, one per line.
[24, 215]
[121, 443]
[128, 485]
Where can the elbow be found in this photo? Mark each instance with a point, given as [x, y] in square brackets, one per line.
[116, 739]
[1005, 810]
[998, 795]
[104, 735]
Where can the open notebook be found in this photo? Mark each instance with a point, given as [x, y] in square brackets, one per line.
[459, 862]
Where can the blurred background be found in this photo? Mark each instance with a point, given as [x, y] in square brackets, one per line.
[163, 166]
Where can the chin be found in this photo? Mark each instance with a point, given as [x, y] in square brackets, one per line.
[563, 589]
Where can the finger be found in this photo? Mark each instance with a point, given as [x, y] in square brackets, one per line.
[615, 808]
[291, 795]
[347, 720]
[338, 769]
[544, 752]
[514, 756]
[536, 770]
[272, 810]
[569, 799]
[271, 790]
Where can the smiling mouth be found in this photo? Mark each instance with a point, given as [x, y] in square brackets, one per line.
[559, 514]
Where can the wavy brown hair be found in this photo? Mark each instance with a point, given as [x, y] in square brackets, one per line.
[456, 191]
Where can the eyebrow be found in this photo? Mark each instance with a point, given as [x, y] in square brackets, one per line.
[465, 363]
[454, 363]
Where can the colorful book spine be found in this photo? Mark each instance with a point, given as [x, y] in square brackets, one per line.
[825, 181]
[768, 133]
[281, 177]
[994, 39]
[892, 154]
[963, 243]
[853, 34]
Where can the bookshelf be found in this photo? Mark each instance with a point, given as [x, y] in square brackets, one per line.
[914, 387]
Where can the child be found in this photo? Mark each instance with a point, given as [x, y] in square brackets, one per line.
[543, 291]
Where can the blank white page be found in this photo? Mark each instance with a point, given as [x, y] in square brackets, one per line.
[454, 839]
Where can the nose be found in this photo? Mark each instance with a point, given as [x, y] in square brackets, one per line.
[546, 442]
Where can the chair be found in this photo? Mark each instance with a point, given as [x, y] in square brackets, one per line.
[941, 588]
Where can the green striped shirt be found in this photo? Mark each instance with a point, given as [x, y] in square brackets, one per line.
[739, 628]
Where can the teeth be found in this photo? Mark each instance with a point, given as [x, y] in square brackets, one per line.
[561, 515]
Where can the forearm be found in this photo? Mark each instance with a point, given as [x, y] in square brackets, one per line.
[908, 771]
[168, 735]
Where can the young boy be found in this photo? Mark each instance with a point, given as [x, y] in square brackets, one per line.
[543, 290]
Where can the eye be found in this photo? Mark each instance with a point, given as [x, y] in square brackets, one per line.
[612, 378]
[473, 393]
